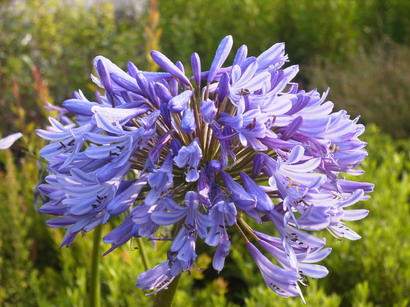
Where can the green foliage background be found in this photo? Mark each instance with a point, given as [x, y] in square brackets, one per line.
[360, 48]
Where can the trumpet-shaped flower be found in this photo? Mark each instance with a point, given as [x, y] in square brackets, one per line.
[7, 141]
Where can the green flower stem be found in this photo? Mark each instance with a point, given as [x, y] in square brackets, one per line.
[165, 297]
[143, 254]
[248, 228]
[95, 286]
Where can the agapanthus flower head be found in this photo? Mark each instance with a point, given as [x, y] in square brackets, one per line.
[205, 154]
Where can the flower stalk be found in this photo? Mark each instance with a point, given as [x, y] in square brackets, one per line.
[143, 253]
[165, 297]
[95, 282]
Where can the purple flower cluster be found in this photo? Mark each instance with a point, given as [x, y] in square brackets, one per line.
[205, 155]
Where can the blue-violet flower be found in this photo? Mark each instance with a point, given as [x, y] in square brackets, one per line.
[205, 154]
